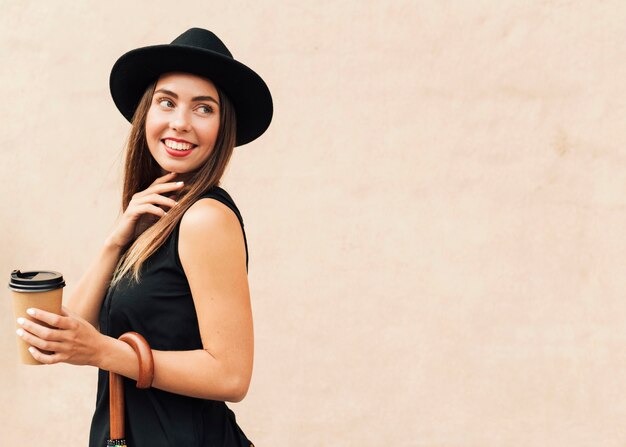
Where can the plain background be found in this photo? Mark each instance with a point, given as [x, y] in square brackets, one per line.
[435, 217]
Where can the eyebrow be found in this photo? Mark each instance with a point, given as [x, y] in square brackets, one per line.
[197, 98]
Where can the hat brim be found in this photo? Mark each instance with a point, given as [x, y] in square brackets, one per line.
[251, 98]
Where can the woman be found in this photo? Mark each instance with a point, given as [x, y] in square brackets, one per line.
[175, 267]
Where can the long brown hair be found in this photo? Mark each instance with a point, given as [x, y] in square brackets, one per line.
[141, 169]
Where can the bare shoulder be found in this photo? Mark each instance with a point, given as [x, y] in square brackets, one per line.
[210, 228]
[207, 214]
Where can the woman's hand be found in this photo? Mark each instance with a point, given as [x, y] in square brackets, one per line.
[144, 203]
[72, 339]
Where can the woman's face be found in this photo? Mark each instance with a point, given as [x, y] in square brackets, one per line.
[182, 122]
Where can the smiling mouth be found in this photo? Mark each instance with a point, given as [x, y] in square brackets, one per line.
[183, 147]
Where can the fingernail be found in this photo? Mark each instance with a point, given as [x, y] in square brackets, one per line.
[32, 350]
[30, 312]
[20, 332]
[179, 183]
[20, 320]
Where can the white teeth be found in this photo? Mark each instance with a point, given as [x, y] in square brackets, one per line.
[178, 146]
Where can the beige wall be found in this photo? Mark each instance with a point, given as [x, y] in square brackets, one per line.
[435, 217]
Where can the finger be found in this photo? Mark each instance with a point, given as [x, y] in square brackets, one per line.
[68, 313]
[158, 199]
[152, 209]
[164, 178]
[52, 319]
[33, 340]
[40, 331]
[160, 188]
[165, 187]
[48, 359]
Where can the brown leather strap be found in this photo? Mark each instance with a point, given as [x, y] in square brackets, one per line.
[116, 388]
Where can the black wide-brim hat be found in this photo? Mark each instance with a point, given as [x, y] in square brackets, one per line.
[197, 51]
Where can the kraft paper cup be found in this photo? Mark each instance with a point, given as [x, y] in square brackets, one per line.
[42, 289]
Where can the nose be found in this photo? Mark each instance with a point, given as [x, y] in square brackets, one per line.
[180, 122]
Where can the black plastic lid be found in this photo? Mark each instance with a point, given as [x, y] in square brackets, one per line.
[36, 281]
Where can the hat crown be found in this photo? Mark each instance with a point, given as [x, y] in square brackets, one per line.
[202, 38]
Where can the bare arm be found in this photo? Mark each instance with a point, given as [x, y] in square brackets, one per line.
[86, 298]
[190, 373]
[212, 253]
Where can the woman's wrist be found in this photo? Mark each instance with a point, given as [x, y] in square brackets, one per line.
[102, 352]
[109, 244]
[118, 357]
[108, 353]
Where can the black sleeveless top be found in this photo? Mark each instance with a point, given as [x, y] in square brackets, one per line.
[161, 309]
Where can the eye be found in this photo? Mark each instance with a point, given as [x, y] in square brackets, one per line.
[161, 101]
[207, 108]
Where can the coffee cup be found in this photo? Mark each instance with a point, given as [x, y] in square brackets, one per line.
[41, 289]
